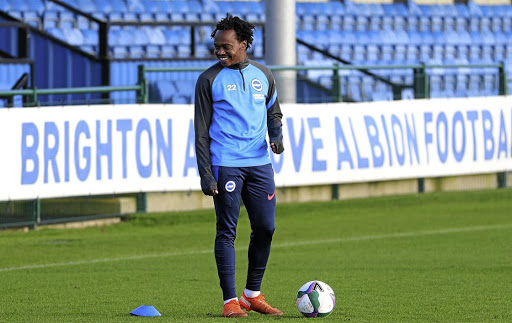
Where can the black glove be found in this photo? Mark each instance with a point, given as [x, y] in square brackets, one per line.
[278, 146]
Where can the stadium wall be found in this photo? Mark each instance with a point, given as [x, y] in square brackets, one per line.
[339, 150]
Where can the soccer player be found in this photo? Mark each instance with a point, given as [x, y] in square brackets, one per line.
[236, 106]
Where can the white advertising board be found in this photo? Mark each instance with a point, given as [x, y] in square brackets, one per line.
[91, 150]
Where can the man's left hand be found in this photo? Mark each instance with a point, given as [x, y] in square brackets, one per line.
[276, 148]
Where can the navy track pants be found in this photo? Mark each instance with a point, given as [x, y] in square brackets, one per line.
[256, 186]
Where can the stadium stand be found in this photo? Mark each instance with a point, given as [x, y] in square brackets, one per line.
[362, 33]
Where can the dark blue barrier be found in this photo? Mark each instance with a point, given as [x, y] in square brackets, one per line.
[59, 66]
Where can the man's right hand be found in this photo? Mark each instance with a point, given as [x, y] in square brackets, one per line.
[214, 192]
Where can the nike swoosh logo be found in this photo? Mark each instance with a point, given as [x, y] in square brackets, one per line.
[270, 197]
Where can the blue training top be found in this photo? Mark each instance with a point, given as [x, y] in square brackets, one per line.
[235, 107]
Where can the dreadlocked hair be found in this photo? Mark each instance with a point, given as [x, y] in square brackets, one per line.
[242, 28]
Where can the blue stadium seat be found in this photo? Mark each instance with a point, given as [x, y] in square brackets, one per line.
[135, 6]
[168, 51]
[496, 24]
[485, 24]
[347, 53]
[449, 54]
[448, 10]
[374, 23]
[86, 5]
[436, 23]
[382, 92]
[5, 6]
[372, 53]
[202, 50]
[367, 88]
[475, 54]
[359, 54]
[361, 23]
[172, 36]
[154, 35]
[436, 87]
[474, 85]
[121, 37]
[375, 9]
[181, 10]
[32, 18]
[118, 5]
[136, 51]
[163, 90]
[115, 16]
[36, 6]
[130, 16]
[149, 6]
[56, 32]
[412, 23]
[449, 23]
[462, 10]
[449, 84]
[321, 22]
[414, 9]
[399, 53]
[474, 9]
[500, 37]
[399, 23]
[119, 51]
[425, 52]
[307, 22]
[144, 16]
[507, 25]
[99, 15]
[487, 54]
[73, 36]
[83, 23]
[138, 36]
[462, 52]
[90, 37]
[414, 37]
[490, 83]
[354, 87]
[386, 53]
[424, 23]
[508, 53]
[18, 6]
[66, 19]
[103, 6]
[394, 9]
[387, 23]
[349, 23]
[227, 7]
[461, 84]
[256, 12]
[412, 54]
[461, 24]
[489, 10]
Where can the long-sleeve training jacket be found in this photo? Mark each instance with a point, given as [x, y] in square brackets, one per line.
[235, 107]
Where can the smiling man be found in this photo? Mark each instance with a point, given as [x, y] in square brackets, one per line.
[236, 106]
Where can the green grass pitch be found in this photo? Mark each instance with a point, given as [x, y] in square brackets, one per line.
[435, 257]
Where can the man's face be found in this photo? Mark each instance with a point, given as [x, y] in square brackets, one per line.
[228, 49]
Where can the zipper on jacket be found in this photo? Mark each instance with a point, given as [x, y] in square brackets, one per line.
[243, 79]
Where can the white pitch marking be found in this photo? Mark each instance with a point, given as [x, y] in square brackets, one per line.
[279, 245]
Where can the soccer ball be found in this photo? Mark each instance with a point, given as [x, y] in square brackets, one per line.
[315, 299]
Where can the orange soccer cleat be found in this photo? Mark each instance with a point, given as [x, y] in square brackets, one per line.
[258, 304]
[233, 309]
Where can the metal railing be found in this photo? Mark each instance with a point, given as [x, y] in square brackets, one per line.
[33, 93]
[420, 86]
